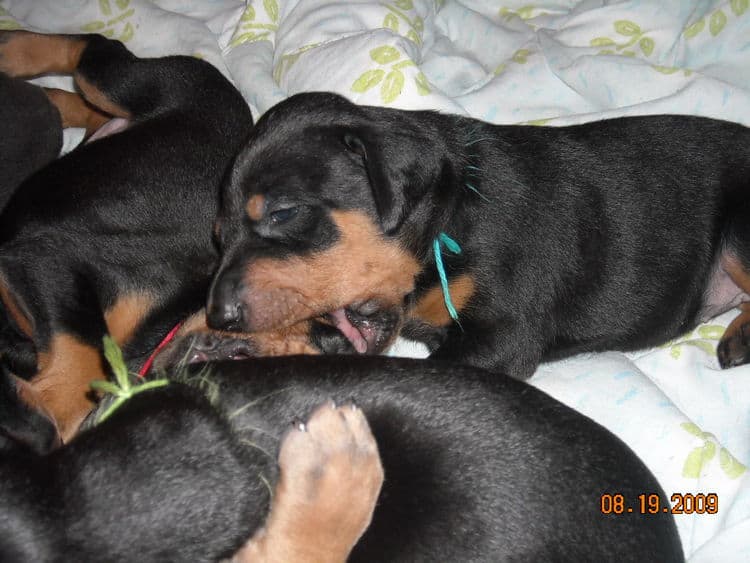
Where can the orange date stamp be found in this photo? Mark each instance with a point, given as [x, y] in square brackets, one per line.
[679, 503]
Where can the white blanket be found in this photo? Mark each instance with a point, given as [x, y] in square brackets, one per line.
[552, 63]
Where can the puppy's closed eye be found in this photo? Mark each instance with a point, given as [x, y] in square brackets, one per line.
[283, 214]
[293, 224]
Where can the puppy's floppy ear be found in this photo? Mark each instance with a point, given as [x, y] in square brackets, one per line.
[386, 181]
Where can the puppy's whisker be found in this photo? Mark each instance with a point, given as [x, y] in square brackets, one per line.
[475, 141]
[254, 402]
[267, 484]
[258, 430]
[256, 447]
[474, 129]
[476, 191]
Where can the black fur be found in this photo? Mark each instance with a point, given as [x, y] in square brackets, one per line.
[25, 108]
[165, 479]
[479, 467]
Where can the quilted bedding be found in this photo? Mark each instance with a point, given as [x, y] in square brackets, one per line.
[508, 61]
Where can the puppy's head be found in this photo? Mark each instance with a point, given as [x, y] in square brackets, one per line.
[324, 214]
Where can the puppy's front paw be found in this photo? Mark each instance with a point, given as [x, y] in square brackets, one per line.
[26, 54]
[734, 346]
[734, 349]
[330, 479]
[331, 473]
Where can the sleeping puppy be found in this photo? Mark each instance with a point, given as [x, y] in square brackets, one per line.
[618, 234]
[478, 467]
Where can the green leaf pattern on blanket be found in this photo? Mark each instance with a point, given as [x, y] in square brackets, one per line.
[287, 61]
[633, 35]
[398, 13]
[716, 21]
[705, 338]
[253, 28]
[7, 22]
[114, 20]
[700, 457]
[520, 57]
[525, 13]
[671, 69]
[391, 79]
[739, 7]
[537, 122]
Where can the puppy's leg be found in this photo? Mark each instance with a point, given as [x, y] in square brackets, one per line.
[110, 77]
[734, 346]
[330, 480]
[25, 54]
[512, 347]
[75, 111]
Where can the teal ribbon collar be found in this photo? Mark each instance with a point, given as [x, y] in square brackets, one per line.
[443, 240]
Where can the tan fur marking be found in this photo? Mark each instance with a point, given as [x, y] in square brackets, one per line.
[255, 207]
[734, 332]
[97, 98]
[21, 319]
[126, 314]
[66, 369]
[732, 342]
[75, 111]
[284, 342]
[194, 323]
[737, 323]
[362, 265]
[431, 306]
[25, 54]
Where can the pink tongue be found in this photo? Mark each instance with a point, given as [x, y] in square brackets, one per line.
[347, 329]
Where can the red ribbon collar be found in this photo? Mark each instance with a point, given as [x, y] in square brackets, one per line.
[166, 340]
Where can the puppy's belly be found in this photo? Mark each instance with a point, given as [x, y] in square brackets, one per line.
[721, 292]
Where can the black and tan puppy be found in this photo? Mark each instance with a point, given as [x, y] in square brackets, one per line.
[478, 467]
[616, 234]
[116, 236]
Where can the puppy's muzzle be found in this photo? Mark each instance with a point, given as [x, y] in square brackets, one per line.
[225, 309]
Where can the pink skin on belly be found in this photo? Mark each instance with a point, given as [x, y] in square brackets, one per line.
[722, 293]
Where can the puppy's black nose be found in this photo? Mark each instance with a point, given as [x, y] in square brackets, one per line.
[224, 310]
